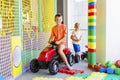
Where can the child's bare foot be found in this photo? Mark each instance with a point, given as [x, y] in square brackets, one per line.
[69, 67]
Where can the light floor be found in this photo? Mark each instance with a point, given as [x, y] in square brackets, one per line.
[82, 65]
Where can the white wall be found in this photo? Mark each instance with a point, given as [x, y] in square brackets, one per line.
[108, 28]
[101, 31]
[112, 30]
[78, 12]
[65, 11]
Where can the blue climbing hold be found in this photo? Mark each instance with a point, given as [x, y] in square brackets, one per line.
[110, 71]
[102, 70]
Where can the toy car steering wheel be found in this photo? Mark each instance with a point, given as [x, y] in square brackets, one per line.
[53, 43]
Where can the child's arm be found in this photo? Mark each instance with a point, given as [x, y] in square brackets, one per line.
[61, 40]
[80, 37]
[74, 38]
[51, 38]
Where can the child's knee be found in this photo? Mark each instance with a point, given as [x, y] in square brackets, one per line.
[77, 53]
[61, 46]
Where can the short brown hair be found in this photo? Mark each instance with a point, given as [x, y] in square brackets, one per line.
[58, 15]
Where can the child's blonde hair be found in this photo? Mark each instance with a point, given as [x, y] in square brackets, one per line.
[77, 24]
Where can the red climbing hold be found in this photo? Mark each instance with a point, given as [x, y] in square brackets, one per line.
[71, 72]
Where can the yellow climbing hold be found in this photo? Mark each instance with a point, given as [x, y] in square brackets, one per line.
[96, 76]
[41, 78]
[74, 78]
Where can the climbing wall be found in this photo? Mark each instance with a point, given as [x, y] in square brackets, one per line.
[47, 15]
[37, 24]
[43, 40]
[30, 48]
[5, 59]
[20, 37]
[27, 29]
[7, 17]
[91, 33]
[34, 24]
[18, 18]
[9, 27]
[30, 31]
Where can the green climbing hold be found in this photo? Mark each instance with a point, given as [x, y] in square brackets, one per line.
[117, 71]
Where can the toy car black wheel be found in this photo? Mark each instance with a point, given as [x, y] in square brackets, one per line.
[34, 65]
[70, 58]
[53, 67]
[82, 57]
[77, 58]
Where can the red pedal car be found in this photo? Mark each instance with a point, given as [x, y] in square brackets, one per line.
[50, 59]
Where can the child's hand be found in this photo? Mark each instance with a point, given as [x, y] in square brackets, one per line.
[57, 42]
[80, 36]
[78, 40]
